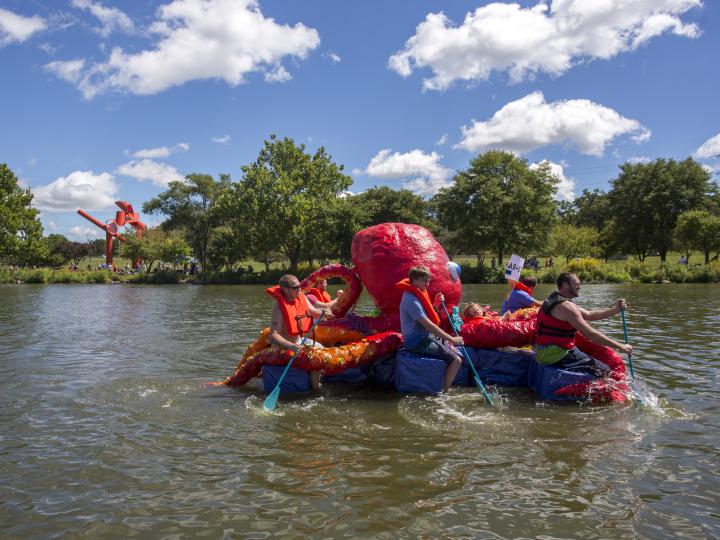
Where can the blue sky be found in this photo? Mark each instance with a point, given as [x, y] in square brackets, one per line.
[105, 101]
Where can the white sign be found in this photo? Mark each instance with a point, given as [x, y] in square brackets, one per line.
[513, 268]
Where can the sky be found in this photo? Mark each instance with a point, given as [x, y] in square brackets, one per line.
[109, 100]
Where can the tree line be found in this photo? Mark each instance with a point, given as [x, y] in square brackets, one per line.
[294, 206]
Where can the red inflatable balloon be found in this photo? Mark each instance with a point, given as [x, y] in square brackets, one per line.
[384, 254]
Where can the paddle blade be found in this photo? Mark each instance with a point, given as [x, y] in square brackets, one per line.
[272, 399]
[480, 385]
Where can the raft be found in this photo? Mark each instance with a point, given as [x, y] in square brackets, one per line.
[353, 358]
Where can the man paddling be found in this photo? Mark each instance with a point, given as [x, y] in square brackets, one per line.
[558, 321]
[419, 324]
[292, 317]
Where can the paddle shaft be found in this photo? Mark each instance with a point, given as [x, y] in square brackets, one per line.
[622, 314]
[478, 382]
[271, 400]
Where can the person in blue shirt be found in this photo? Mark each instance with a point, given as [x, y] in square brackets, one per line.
[521, 296]
[419, 324]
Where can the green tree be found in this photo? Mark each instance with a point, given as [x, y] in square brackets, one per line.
[191, 206]
[571, 241]
[566, 212]
[227, 248]
[698, 229]
[21, 233]
[647, 198]
[593, 209]
[384, 204]
[155, 245]
[282, 200]
[499, 204]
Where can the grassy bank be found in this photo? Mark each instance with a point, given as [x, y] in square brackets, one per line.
[589, 270]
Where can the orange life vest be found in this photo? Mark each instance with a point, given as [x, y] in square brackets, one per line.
[296, 315]
[522, 287]
[423, 296]
[323, 296]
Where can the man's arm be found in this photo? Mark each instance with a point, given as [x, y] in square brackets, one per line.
[600, 314]
[276, 328]
[316, 312]
[315, 302]
[573, 314]
[428, 325]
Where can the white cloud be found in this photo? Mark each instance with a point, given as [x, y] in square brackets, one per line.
[566, 187]
[111, 18]
[442, 140]
[334, 58]
[84, 232]
[710, 148]
[160, 152]
[16, 28]
[70, 70]
[196, 40]
[530, 122]
[159, 174]
[422, 172]
[639, 159]
[225, 139]
[79, 189]
[524, 41]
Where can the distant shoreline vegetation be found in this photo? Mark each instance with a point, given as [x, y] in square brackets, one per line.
[292, 209]
[589, 270]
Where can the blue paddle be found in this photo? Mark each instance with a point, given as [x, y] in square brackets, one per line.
[622, 314]
[478, 382]
[271, 401]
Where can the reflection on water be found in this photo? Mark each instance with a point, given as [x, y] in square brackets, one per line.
[107, 433]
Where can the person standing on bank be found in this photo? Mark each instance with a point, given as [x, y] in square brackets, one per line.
[558, 321]
[292, 317]
[419, 324]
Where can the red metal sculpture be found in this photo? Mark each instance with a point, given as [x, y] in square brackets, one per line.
[125, 216]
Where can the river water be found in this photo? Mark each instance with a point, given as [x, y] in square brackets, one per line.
[106, 431]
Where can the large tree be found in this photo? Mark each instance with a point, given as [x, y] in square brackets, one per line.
[698, 229]
[499, 203]
[191, 206]
[571, 241]
[384, 204]
[21, 240]
[284, 198]
[647, 198]
[593, 209]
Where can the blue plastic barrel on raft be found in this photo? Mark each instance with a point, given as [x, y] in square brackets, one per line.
[350, 375]
[295, 382]
[503, 368]
[383, 370]
[420, 374]
[545, 380]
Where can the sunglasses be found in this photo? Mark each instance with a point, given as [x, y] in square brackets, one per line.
[293, 287]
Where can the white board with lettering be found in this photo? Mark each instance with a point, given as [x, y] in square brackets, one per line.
[514, 267]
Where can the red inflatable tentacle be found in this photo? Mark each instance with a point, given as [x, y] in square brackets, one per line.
[350, 295]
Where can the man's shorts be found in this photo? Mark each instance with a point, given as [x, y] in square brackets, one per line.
[433, 347]
[578, 361]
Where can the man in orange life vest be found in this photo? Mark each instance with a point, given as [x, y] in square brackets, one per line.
[419, 324]
[292, 317]
[320, 298]
[558, 321]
